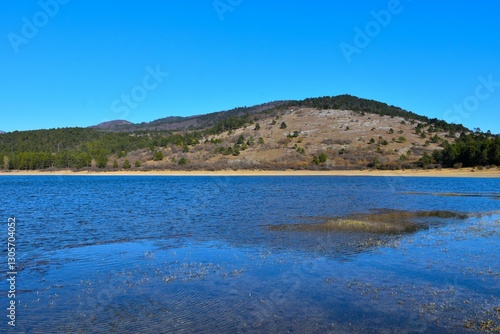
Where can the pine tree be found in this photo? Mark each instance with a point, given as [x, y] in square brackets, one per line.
[126, 164]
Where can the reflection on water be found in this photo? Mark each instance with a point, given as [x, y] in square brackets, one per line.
[176, 254]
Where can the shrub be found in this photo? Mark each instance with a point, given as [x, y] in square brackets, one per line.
[241, 140]
[425, 161]
[6, 162]
[283, 125]
[182, 161]
[126, 164]
[320, 159]
[375, 163]
[158, 156]
[101, 161]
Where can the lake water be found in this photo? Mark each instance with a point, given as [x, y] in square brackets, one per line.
[112, 254]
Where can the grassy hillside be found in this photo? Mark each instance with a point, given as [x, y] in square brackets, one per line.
[341, 132]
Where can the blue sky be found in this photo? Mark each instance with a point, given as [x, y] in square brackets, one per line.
[81, 62]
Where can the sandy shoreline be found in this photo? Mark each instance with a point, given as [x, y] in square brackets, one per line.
[464, 172]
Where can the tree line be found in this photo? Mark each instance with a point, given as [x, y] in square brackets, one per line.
[469, 150]
[80, 147]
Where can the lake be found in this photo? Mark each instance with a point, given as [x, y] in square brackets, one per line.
[158, 254]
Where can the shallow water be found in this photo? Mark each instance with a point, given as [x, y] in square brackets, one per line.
[196, 254]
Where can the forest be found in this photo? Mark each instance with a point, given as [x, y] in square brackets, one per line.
[469, 150]
[78, 148]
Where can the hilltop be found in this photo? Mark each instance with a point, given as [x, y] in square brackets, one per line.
[188, 123]
[340, 132]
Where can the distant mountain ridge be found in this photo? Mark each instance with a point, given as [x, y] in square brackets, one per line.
[110, 125]
[172, 123]
[339, 102]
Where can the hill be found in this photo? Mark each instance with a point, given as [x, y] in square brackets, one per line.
[187, 123]
[339, 132]
[112, 125]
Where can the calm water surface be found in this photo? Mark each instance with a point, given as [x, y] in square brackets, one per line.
[106, 254]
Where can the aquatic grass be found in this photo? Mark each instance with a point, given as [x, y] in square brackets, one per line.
[378, 222]
[351, 225]
[488, 323]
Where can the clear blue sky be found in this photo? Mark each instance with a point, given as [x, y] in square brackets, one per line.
[74, 62]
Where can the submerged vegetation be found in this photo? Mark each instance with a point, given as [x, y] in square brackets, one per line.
[351, 225]
[380, 222]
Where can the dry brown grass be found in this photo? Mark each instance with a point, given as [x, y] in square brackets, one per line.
[344, 136]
